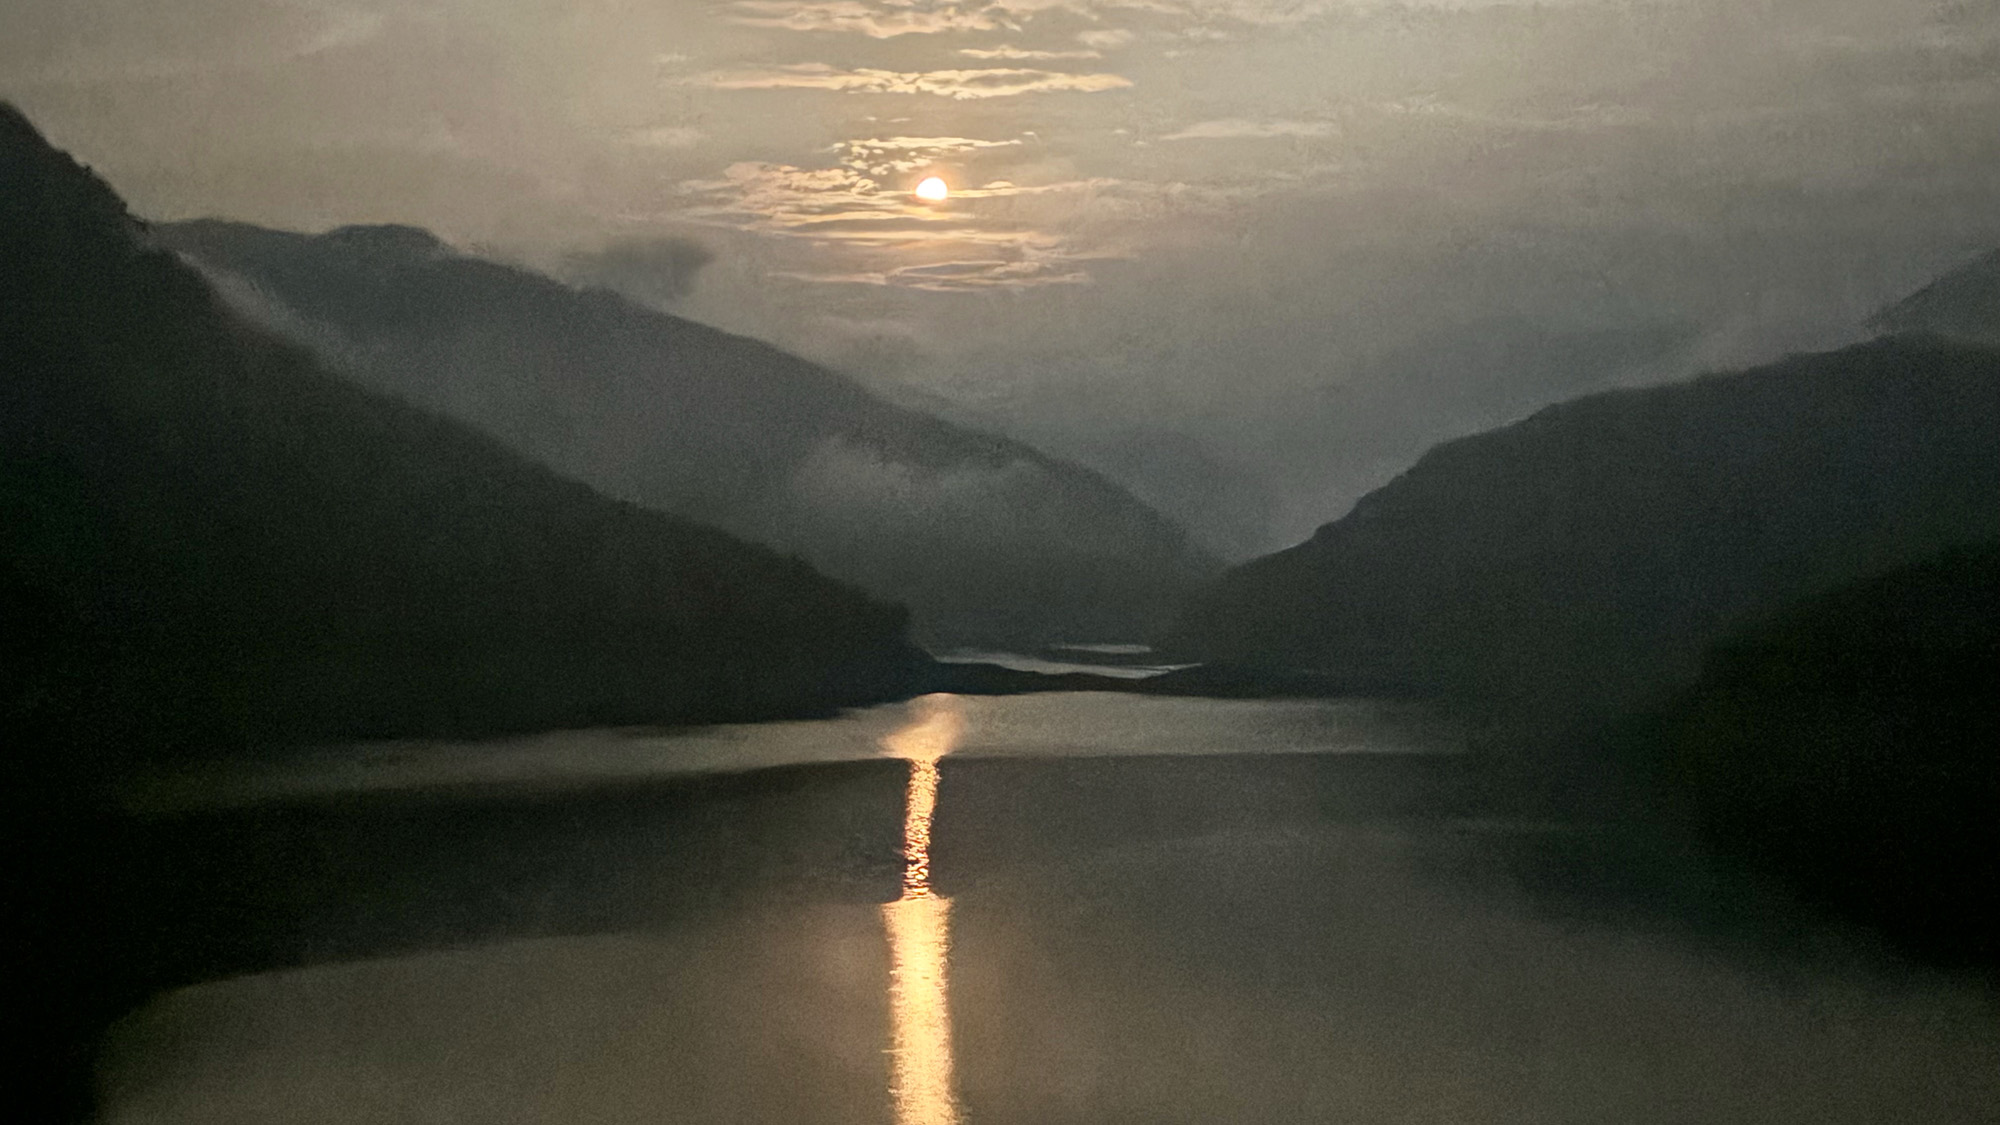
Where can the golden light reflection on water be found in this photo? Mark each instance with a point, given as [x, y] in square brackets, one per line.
[918, 805]
[920, 1014]
[934, 732]
[919, 927]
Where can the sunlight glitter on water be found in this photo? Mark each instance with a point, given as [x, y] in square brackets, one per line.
[920, 803]
[919, 927]
[920, 1015]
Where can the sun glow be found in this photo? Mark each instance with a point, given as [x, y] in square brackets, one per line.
[933, 189]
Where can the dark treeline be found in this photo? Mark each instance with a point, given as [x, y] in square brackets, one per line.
[211, 543]
[1850, 745]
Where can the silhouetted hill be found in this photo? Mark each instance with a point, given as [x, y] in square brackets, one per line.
[1851, 745]
[209, 542]
[1571, 563]
[1962, 305]
[987, 540]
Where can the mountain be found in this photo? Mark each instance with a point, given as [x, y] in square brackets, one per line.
[211, 542]
[1846, 745]
[1576, 561]
[1962, 305]
[987, 540]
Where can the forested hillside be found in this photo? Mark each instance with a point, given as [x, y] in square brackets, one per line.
[211, 542]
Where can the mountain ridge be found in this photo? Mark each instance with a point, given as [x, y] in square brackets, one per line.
[986, 538]
[213, 544]
[1577, 560]
[1962, 304]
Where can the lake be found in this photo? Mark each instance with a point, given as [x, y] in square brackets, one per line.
[1043, 908]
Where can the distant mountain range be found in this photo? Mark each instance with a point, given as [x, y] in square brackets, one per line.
[209, 541]
[1579, 560]
[988, 541]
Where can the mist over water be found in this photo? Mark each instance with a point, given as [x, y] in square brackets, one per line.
[1089, 933]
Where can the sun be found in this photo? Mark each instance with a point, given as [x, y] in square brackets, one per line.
[933, 189]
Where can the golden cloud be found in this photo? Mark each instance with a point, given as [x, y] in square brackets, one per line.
[877, 21]
[956, 84]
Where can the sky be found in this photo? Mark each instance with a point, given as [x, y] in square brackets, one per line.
[1249, 257]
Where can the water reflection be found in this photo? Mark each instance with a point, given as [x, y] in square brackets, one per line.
[936, 730]
[919, 928]
[919, 1012]
[918, 806]
[1135, 935]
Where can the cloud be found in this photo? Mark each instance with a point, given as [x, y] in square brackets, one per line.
[665, 136]
[1020, 54]
[959, 85]
[1237, 128]
[852, 485]
[1198, 19]
[1587, 116]
[967, 277]
[784, 196]
[888, 156]
[954, 144]
[654, 270]
[885, 236]
[876, 21]
[86, 42]
[1109, 39]
[850, 204]
[840, 204]
[975, 274]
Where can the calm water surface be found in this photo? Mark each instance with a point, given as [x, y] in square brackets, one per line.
[1103, 909]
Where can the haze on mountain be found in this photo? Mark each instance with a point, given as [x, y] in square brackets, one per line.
[212, 544]
[1200, 247]
[1577, 563]
[986, 540]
